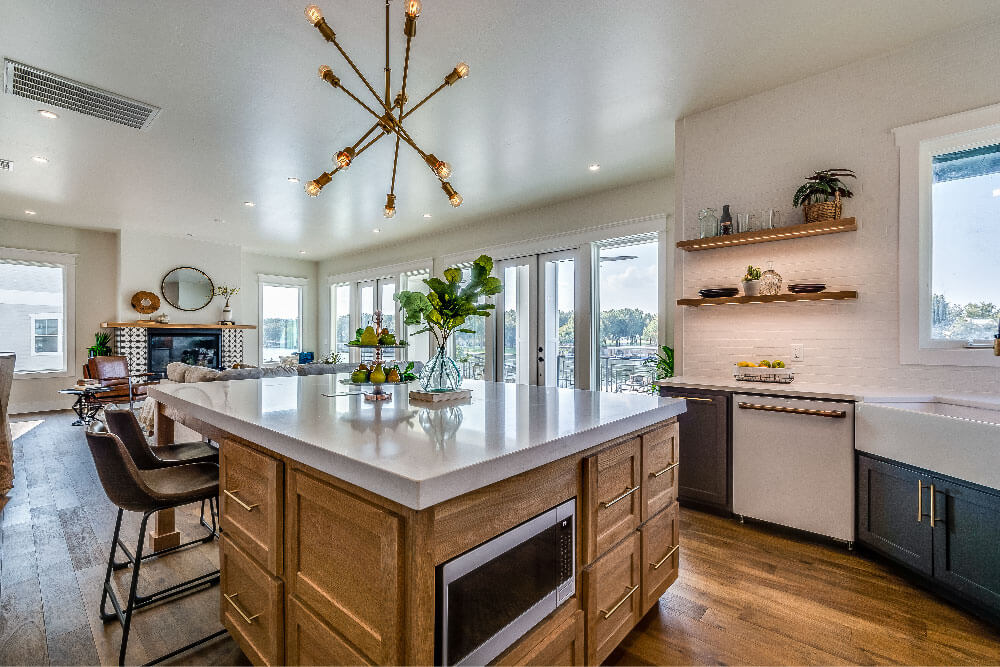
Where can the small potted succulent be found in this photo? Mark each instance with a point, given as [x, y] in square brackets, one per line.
[820, 196]
[751, 281]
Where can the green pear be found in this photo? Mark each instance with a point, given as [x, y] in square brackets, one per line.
[378, 375]
[369, 337]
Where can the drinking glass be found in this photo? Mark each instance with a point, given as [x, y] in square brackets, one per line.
[770, 218]
[742, 223]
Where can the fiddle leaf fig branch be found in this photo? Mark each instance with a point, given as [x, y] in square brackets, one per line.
[445, 308]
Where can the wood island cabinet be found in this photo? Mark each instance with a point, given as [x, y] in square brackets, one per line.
[319, 571]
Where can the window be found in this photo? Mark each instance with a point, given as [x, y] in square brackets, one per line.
[36, 310]
[949, 209]
[46, 334]
[965, 212]
[420, 344]
[470, 348]
[280, 317]
[340, 318]
[627, 325]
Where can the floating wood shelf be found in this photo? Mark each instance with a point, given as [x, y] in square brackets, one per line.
[771, 298]
[149, 324]
[768, 235]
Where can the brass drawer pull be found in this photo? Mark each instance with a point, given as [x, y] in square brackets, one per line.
[608, 613]
[232, 494]
[656, 566]
[920, 500]
[932, 505]
[833, 414]
[628, 492]
[665, 470]
[693, 398]
[230, 600]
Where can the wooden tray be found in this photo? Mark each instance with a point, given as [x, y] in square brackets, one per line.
[439, 396]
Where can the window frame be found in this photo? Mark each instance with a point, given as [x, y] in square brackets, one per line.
[263, 281]
[66, 262]
[60, 332]
[917, 144]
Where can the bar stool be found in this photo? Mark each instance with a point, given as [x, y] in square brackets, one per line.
[123, 423]
[147, 491]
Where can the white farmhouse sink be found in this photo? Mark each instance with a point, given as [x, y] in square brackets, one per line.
[956, 437]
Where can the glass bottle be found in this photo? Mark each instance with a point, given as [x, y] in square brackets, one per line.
[726, 221]
[770, 280]
[708, 223]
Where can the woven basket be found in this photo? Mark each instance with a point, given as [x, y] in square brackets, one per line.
[828, 210]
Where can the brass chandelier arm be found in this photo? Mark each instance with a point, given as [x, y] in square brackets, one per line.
[365, 136]
[365, 147]
[406, 71]
[421, 102]
[360, 75]
[395, 161]
[356, 99]
[387, 69]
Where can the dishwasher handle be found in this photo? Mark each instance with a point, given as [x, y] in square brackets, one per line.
[833, 414]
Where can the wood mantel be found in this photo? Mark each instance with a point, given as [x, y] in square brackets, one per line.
[150, 324]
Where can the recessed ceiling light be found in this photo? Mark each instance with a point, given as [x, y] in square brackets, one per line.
[302, 252]
[45, 113]
[594, 167]
[40, 159]
[377, 230]
[249, 204]
[292, 179]
[427, 215]
[29, 212]
[189, 235]
[996, 193]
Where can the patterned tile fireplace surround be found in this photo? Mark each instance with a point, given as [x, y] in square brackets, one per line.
[132, 342]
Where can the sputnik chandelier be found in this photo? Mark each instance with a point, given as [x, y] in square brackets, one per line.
[388, 113]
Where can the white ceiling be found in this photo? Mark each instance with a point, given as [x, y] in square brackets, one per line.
[554, 86]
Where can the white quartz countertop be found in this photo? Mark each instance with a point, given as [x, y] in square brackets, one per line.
[417, 454]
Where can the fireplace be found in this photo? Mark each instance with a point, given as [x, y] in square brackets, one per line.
[196, 347]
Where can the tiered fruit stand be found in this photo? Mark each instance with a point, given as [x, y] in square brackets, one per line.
[377, 393]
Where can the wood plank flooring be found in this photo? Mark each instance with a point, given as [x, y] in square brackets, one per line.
[745, 595]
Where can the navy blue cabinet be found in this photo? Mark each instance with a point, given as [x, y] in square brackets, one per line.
[947, 530]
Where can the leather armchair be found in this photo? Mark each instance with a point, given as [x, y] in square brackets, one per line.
[114, 372]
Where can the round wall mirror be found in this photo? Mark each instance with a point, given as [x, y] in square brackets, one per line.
[186, 288]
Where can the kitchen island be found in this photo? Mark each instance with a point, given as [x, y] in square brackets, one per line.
[337, 512]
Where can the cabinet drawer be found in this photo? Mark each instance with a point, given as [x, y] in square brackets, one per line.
[560, 644]
[250, 602]
[345, 562]
[660, 554]
[251, 494]
[659, 469]
[312, 642]
[612, 486]
[611, 598]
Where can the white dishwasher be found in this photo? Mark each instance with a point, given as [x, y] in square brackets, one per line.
[793, 463]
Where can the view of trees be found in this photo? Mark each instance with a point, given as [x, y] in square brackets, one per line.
[280, 333]
[970, 321]
[627, 326]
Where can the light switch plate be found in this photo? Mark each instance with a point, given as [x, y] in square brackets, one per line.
[798, 352]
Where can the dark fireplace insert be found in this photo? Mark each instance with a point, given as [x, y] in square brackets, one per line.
[196, 347]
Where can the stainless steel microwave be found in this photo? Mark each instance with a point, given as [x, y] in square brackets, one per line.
[493, 594]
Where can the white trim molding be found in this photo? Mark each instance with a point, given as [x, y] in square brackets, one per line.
[917, 143]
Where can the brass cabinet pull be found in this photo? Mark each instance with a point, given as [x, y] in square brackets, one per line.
[230, 600]
[693, 398]
[628, 492]
[932, 505]
[920, 500]
[628, 594]
[834, 414]
[656, 566]
[232, 494]
[665, 470]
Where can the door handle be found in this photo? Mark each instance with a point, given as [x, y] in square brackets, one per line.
[607, 614]
[665, 470]
[628, 492]
[834, 414]
[698, 399]
[656, 566]
[932, 505]
[232, 494]
[920, 501]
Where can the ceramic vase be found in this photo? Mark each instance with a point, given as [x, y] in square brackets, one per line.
[440, 373]
[770, 281]
[750, 287]
[227, 313]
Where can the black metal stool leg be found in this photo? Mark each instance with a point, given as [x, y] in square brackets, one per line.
[130, 607]
[111, 565]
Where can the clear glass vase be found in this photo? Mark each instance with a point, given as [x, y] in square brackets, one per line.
[440, 373]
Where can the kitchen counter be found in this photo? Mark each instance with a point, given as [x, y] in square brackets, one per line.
[416, 454]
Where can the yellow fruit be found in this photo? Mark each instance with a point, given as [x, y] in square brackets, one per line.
[764, 363]
[393, 375]
[369, 337]
[751, 364]
[778, 363]
[743, 364]
[378, 375]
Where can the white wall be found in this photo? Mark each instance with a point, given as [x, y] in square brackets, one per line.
[649, 198]
[753, 153]
[96, 277]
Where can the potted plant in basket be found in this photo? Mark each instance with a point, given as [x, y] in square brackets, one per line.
[751, 281]
[820, 196]
[444, 310]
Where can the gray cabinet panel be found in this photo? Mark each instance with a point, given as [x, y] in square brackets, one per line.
[967, 541]
[705, 473]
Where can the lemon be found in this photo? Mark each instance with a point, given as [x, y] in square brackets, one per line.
[778, 363]
[743, 364]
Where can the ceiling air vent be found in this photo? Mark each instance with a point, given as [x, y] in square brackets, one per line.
[6, 165]
[54, 90]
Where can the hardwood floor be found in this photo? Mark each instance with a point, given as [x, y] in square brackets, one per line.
[744, 596]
